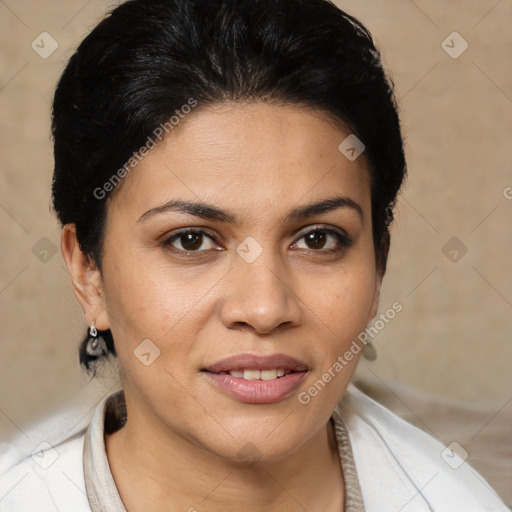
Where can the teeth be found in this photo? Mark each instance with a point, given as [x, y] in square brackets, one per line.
[252, 374]
[257, 374]
[268, 374]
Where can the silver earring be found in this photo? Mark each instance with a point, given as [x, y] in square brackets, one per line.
[93, 332]
[94, 347]
[369, 351]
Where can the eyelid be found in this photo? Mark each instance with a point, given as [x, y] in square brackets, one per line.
[320, 227]
[167, 239]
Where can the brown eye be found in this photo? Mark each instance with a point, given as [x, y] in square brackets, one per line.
[315, 239]
[324, 240]
[191, 241]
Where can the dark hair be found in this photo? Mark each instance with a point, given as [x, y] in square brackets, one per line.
[146, 60]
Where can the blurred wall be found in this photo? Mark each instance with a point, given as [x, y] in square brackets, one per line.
[451, 244]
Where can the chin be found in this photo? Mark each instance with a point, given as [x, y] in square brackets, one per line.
[251, 447]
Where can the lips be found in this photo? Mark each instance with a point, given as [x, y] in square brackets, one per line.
[257, 379]
[258, 362]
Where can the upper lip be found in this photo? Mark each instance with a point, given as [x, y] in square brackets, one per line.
[258, 362]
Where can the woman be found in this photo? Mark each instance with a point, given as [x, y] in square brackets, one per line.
[225, 176]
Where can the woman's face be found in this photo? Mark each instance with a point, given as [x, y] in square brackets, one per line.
[262, 285]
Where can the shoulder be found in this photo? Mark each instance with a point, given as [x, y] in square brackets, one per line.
[42, 469]
[398, 463]
[50, 478]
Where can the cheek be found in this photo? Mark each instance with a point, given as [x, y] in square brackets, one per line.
[146, 299]
[133, 298]
[344, 300]
[135, 288]
[341, 313]
[342, 309]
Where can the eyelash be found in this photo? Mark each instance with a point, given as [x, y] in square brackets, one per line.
[344, 241]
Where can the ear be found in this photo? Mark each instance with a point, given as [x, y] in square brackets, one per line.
[86, 279]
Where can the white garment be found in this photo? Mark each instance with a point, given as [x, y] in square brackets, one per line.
[399, 467]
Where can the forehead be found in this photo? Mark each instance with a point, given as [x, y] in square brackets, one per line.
[247, 156]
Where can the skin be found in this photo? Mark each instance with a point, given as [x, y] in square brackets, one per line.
[180, 447]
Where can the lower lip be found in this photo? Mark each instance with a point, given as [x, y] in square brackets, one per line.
[256, 391]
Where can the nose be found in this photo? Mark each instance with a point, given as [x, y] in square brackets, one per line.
[260, 296]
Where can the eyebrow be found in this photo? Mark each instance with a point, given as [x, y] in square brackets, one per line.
[210, 212]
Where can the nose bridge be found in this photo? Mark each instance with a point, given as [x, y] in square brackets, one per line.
[259, 292]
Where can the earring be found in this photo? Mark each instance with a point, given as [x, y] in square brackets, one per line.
[369, 351]
[93, 332]
[94, 347]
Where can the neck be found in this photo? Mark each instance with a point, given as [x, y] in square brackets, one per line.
[155, 471]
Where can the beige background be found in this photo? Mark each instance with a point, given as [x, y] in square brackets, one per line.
[452, 337]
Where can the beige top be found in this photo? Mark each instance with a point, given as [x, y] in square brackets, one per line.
[111, 415]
